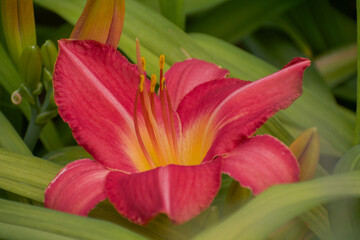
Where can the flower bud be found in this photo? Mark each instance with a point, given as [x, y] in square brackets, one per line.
[97, 24]
[306, 149]
[49, 54]
[19, 26]
[31, 67]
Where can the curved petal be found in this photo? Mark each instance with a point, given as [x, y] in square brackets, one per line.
[95, 88]
[260, 162]
[181, 192]
[77, 188]
[233, 112]
[184, 76]
[198, 137]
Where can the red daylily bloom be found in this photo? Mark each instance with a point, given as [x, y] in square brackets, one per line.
[165, 153]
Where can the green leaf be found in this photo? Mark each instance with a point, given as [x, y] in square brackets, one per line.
[323, 26]
[317, 220]
[26, 175]
[281, 203]
[334, 125]
[194, 6]
[174, 11]
[21, 221]
[347, 90]
[234, 19]
[295, 35]
[66, 155]
[337, 65]
[357, 125]
[349, 162]
[10, 139]
[344, 214]
[294, 230]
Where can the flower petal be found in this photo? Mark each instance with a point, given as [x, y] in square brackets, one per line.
[260, 162]
[184, 76]
[181, 192]
[77, 188]
[95, 88]
[231, 113]
[198, 133]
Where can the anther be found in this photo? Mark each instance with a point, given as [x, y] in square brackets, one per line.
[153, 83]
[161, 65]
[162, 83]
[143, 63]
[141, 84]
[162, 61]
[152, 93]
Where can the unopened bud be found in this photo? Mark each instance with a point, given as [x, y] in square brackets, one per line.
[31, 67]
[101, 21]
[306, 150]
[49, 54]
[18, 25]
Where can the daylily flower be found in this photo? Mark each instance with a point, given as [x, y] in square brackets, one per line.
[165, 153]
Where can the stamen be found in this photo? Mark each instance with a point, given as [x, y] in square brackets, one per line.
[166, 119]
[172, 124]
[162, 81]
[161, 146]
[141, 83]
[136, 125]
[150, 126]
[138, 57]
[153, 83]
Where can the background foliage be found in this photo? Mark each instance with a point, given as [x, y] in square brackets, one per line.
[250, 38]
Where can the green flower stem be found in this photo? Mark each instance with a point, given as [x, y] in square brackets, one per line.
[357, 129]
[33, 130]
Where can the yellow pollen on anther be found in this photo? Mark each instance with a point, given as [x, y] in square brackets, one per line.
[153, 83]
[141, 84]
[143, 63]
[162, 61]
[162, 83]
